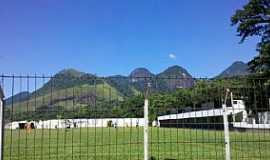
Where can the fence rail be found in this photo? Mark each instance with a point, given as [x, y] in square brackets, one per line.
[73, 116]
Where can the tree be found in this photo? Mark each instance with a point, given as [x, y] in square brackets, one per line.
[254, 20]
[133, 106]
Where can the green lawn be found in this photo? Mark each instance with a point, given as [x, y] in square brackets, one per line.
[127, 143]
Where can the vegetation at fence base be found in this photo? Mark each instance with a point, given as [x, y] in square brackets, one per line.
[127, 143]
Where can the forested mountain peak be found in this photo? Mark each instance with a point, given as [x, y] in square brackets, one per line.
[141, 72]
[237, 68]
[175, 71]
[70, 72]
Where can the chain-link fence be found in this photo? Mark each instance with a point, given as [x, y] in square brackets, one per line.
[87, 117]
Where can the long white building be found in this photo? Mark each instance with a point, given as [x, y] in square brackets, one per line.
[188, 119]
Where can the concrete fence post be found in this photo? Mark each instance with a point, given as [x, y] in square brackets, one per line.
[226, 129]
[146, 103]
[269, 103]
[226, 133]
[146, 122]
[1, 123]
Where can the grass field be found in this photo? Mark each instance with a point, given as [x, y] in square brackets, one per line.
[127, 143]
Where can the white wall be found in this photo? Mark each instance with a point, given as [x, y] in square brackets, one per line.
[80, 123]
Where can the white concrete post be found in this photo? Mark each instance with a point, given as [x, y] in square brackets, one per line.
[146, 122]
[269, 103]
[1, 127]
[226, 133]
[146, 103]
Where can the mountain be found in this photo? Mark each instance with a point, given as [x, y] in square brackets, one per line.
[175, 77]
[69, 73]
[238, 68]
[141, 73]
[65, 88]
[22, 96]
[140, 77]
[175, 71]
[122, 84]
[66, 78]
[71, 85]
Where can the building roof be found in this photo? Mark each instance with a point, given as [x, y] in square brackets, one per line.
[1, 93]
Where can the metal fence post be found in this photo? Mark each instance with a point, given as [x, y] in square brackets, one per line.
[226, 129]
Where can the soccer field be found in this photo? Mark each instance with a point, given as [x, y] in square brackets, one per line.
[127, 143]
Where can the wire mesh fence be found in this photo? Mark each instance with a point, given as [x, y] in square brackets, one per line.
[88, 117]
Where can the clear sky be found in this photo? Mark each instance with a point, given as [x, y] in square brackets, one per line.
[110, 37]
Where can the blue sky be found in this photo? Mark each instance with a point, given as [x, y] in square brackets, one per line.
[115, 36]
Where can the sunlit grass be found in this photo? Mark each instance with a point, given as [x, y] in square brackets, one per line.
[127, 143]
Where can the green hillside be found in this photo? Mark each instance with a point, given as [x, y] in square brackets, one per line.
[78, 101]
[70, 87]
[70, 94]
[65, 97]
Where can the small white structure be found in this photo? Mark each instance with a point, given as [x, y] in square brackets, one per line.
[155, 124]
[79, 123]
[264, 117]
